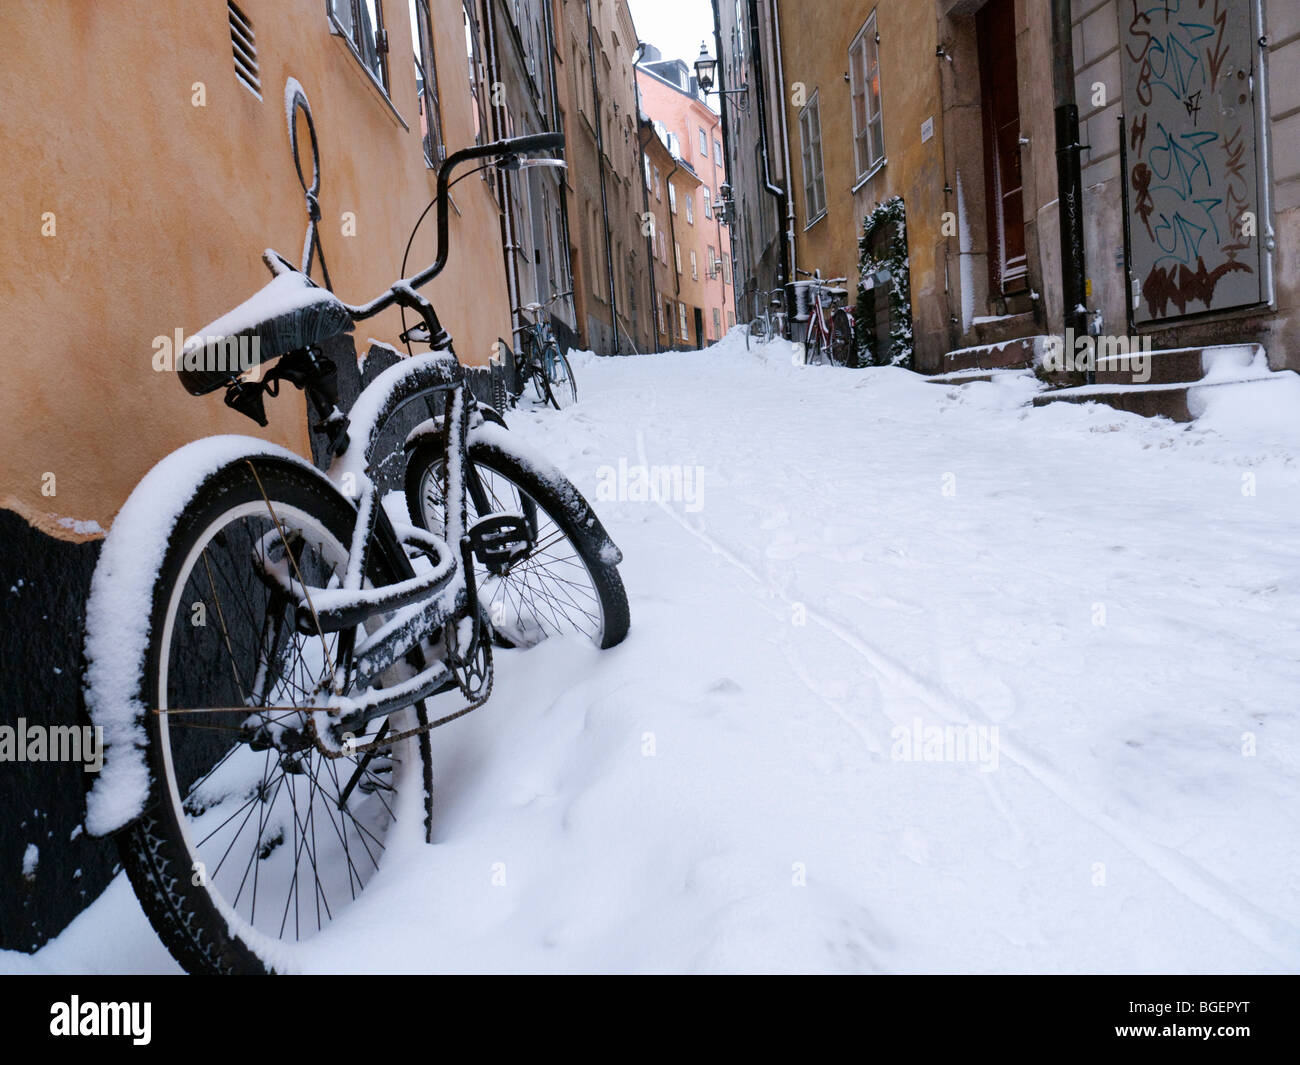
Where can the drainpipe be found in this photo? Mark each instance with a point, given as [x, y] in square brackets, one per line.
[645, 197]
[600, 165]
[760, 93]
[504, 180]
[672, 235]
[1069, 178]
[562, 178]
[645, 200]
[785, 147]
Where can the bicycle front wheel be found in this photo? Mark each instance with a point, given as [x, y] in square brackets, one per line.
[843, 347]
[560, 383]
[252, 841]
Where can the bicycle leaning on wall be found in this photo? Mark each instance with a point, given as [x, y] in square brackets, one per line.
[539, 359]
[830, 337]
[265, 642]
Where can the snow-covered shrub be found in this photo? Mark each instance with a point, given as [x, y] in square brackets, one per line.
[883, 247]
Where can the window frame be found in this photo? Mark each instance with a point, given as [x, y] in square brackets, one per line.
[430, 103]
[349, 36]
[810, 145]
[690, 207]
[873, 128]
[704, 137]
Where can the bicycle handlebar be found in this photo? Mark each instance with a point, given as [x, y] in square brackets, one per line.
[508, 149]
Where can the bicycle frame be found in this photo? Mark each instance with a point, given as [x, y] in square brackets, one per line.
[418, 604]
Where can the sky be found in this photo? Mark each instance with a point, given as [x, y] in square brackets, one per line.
[675, 27]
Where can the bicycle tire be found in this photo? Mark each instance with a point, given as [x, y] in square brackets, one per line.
[561, 388]
[843, 348]
[172, 874]
[559, 501]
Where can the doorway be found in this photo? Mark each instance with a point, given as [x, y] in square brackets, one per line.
[995, 27]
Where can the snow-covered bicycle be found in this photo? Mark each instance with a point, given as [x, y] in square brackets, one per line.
[264, 641]
[830, 336]
[539, 359]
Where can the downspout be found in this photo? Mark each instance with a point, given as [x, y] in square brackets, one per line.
[645, 197]
[672, 235]
[792, 257]
[503, 179]
[1069, 178]
[600, 165]
[760, 92]
[722, 115]
[645, 200]
[562, 179]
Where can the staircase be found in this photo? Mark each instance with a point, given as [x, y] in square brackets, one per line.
[1173, 383]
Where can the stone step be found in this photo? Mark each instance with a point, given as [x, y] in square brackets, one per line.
[966, 377]
[999, 330]
[1018, 352]
[1178, 401]
[1182, 365]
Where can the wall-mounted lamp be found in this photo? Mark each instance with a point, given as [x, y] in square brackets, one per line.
[706, 71]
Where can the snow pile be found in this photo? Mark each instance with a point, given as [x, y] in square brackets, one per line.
[1110, 600]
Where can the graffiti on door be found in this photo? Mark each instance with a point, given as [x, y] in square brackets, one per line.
[1192, 170]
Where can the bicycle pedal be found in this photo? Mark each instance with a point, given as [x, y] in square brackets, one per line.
[500, 539]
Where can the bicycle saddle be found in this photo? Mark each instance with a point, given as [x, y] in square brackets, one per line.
[288, 313]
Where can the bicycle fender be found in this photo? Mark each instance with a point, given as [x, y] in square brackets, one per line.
[119, 613]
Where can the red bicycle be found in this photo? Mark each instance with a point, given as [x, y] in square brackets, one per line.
[830, 339]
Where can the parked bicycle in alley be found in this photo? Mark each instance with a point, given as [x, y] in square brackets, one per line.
[265, 642]
[539, 360]
[830, 338]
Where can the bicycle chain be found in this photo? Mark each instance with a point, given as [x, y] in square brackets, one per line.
[395, 738]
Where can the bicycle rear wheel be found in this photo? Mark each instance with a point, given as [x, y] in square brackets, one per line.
[252, 841]
[566, 585]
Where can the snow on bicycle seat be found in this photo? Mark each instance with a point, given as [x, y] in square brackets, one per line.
[288, 313]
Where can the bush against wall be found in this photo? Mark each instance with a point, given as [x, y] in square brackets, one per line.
[883, 246]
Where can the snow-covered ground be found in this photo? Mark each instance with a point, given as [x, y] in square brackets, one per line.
[868, 557]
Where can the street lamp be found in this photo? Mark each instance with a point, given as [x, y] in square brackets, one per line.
[706, 72]
[706, 67]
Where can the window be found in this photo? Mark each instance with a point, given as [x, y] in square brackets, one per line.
[681, 319]
[426, 83]
[704, 143]
[361, 23]
[647, 173]
[695, 267]
[731, 319]
[717, 151]
[726, 270]
[708, 206]
[661, 319]
[864, 77]
[717, 323]
[659, 193]
[690, 207]
[666, 323]
[677, 256]
[672, 197]
[814, 181]
[476, 74]
[708, 263]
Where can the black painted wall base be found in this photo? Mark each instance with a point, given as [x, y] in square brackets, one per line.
[43, 587]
